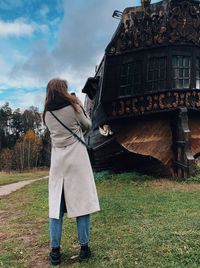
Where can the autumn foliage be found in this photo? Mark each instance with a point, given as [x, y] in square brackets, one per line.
[24, 155]
[22, 139]
[26, 151]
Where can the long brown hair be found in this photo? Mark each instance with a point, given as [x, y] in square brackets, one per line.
[59, 87]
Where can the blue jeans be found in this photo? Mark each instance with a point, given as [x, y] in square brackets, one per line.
[83, 227]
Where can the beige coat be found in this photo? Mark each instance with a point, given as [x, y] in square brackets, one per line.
[70, 166]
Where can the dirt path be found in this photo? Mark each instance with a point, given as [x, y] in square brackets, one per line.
[7, 189]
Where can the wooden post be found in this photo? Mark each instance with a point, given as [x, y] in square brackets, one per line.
[184, 162]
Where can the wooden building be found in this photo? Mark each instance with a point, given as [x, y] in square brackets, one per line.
[144, 99]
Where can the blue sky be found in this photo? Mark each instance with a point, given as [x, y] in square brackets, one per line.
[41, 40]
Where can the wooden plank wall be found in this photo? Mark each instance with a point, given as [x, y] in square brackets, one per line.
[148, 137]
[194, 125]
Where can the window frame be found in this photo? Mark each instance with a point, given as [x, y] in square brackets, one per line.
[156, 57]
[183, 68]
[136, 65]
[197, 68]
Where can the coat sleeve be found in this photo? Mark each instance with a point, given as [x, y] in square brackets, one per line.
[84, 120]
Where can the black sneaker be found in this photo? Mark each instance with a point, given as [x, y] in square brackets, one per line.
[55, 256]
[85, 253]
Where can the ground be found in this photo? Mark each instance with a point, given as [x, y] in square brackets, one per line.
[144, 222]
[11, 177]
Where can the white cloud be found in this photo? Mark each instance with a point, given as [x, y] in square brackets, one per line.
[23, 99]
[2, 103]
[84, 33]
[75, 77]
[15, 28]
[20, 82]
[79, 48]
[20, 27]
[7, 80]
[31, 99]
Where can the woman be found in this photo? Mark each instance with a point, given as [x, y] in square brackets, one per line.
[71, 183]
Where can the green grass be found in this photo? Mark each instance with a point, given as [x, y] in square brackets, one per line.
[7, 178]
[195, 178]
[143, 223]
[125, 176]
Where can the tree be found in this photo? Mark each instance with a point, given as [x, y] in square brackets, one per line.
[27, 150]
[46, 148]
[31, 119]
[20, 131]
[6, 160]
[17, 123]
[5, 124]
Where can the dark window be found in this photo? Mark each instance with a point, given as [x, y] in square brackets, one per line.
[198, 73]
[130, 78]
[156, 73]
[181, 71]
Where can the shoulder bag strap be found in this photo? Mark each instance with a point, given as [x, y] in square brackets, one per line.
[74, 134]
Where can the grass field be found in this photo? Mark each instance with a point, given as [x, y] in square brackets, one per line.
[7, 178]
[143, 223]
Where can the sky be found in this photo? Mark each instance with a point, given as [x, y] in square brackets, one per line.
[45, 39]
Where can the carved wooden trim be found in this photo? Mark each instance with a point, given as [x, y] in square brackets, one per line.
[154, 102]
[178, 21]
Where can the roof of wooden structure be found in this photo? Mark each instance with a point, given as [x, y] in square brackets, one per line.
[151, 25]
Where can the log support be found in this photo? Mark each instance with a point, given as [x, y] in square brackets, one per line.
[184, 162]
